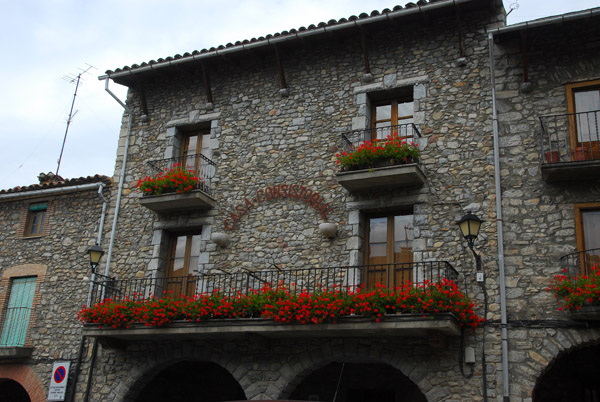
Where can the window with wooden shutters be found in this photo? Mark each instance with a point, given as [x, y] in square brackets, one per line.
[18, 312]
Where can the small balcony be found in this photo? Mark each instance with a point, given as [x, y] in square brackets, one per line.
[344, 284]
[570, 147]
[386, 173]
[201, 197]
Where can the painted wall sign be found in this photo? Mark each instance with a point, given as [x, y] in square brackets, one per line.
[278, 191]
[58, 382]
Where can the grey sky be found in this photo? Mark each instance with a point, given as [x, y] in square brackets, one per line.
[44, 40]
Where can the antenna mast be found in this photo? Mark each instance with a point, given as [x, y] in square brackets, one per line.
[71, 79]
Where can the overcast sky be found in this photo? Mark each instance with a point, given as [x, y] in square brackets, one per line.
[45, 40]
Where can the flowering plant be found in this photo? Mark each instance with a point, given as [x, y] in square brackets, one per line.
[577, 291]
[393, 149]
[287, 307]
[177, 179]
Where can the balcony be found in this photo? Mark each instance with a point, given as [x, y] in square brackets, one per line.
[570, 147]
[202, 197]
[345, 282]
[578, 284]
[384, 174]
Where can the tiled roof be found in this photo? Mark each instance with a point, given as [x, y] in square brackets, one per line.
[59, 183]
[283, 34]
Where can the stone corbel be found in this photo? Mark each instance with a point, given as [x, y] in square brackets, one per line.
[367, 76]
[283, 89]
[207, 89]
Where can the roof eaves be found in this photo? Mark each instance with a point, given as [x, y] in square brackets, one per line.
[269, 40]
[555, 19]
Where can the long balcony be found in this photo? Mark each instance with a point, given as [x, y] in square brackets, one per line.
[383, 175]
[570, 147]
[346, 280]
[202, 197]
[581, 270]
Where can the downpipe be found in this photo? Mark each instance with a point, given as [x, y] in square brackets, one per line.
[501, 273]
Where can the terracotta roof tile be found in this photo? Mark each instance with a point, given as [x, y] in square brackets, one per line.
[331, 22]
[61, 183]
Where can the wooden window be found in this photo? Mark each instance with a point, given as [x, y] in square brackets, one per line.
[184, 252]
[389, 253]
[583, 100]
[36, 217]
[391, 117]
[587, 223]
[18, 311]
[194, 145]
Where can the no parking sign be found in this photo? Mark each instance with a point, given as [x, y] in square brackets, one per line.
[58, 381]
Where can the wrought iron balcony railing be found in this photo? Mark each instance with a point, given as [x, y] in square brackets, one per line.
[310, 280]
[570, 137]
[202, 167]
[14, 330]
[580, 262]
[353, 139]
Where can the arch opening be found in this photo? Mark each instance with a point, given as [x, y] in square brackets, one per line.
[12, 391]
[572, 377]
[192, 381]
[359, 382]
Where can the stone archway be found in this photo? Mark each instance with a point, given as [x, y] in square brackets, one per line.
[191, 381]
[571, 377]
[357, 382]
[25, 379]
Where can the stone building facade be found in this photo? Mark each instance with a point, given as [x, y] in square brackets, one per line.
[262, 121]
[45, 276]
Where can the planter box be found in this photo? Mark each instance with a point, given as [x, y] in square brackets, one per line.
[390, 177]
[173, 202]
[586, 313]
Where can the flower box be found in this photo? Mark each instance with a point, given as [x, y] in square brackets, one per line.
[175, 202]
[389, 177]
[585, 313]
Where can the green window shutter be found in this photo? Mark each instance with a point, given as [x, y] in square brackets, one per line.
[16, 320]
[40, 206]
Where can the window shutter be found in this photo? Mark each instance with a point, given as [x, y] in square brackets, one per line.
[16, 322]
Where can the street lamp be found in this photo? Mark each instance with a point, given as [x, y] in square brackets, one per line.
[95, 252]
[469, 227]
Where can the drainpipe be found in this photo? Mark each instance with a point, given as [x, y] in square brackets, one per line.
[121, 180]
[82, 342]
[501, 274]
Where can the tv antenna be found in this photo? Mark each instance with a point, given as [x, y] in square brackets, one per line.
[71, 78]
[513, 6]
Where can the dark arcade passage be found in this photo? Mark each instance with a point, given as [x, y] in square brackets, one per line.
[192, 381]
[573, 377]
[360, 382]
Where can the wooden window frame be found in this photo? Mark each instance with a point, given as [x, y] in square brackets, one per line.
[41, 226]
[571, 89]
[390, 248]
[394, 119]
[188, 278]
[580, 233]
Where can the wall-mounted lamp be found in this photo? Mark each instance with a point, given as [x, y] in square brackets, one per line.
[220, 239]
[95, 252]
[328, 230]
[469, 227]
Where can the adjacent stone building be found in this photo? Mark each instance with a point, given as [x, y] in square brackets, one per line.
[45, 232]
[506, 123]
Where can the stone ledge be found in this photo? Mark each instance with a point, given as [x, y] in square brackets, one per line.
[585, 171]
[15, 352]
[389, 177]
[173, 202]
[401, 325]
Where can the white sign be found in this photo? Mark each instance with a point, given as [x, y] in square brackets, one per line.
[58, 381]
